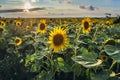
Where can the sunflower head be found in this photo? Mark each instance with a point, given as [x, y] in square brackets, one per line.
[18, 23]
[103, 57]
[109, 26]
[58, 39]
[108, 22]
[42, 26]
[2, 23]
[18, 41]
[110, 42]
[86, 28]
[27, 28]
[42, 20]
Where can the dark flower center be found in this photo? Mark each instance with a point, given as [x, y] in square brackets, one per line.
[18, 24]
[110, 42]
[86, 25]
[58, 39]
[42, 26]
[2, 24]
[17, 40]
[104, 57]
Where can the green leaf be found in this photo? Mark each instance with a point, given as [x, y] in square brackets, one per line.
[62, 65]
[60, 62]
[77, 69]
[45, 75]
[103, 75]
[87, 59]
[88, 55]
[113, 78]
[33, 68]
[86, 63]
[41, 55]
[113, 52]
[2, 43]
[66, 68]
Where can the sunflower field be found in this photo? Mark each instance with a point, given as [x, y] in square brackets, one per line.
[60, 48]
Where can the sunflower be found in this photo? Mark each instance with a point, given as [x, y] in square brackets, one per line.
[27, 28]
[18, 41]
[58, 39]
[103, 57]
[2, 23]
[42, 26]
[18, 23]
[74, 20]
[86, 25]
[110, 41]
[109, 24]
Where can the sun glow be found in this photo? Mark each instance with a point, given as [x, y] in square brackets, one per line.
[27, 6]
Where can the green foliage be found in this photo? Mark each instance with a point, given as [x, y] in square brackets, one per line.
[87, 59]
[35, 60]
[113, 52]
[105, 75]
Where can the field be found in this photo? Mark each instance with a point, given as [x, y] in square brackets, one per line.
[60, 48]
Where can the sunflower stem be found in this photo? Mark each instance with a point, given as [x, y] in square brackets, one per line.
[113, 63]
[95, 34]
[77, 39]
[73, 75]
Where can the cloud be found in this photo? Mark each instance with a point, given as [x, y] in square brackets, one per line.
[34, 0]
[13, 2]
[20, 10]
[82, 7]
[91, 8]
[61, 2]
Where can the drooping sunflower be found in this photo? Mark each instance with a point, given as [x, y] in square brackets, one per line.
[86, 28]
[18, 23]
[2, 23]
[18, 41]
[42, 26]
[103, 57]
[58, 39]
[110, 41]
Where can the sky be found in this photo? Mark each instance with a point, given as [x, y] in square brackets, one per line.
[88, 5]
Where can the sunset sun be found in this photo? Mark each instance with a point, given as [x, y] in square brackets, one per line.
[27, 6]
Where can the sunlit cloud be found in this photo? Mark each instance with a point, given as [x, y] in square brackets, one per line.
[59, 7]
[34, 0]
[27, 6]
